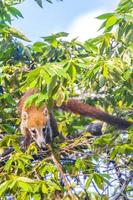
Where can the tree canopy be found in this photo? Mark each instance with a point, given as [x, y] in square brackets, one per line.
[98, 71]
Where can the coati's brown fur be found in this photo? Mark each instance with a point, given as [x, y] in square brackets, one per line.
[40, 125]
[78, 107]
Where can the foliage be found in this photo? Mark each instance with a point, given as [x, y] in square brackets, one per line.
[39, 2]
[99, 70]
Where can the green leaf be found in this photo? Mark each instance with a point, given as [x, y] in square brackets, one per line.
[15, 12]
[113, 153]
[105, 16]
[34, 74]
[4, 187]
[25, 179]
[88, 182]
[9, 99]
[37, 197]
[25, 186]
[125, 149]
[98, 180]
[80, 164]
[38, 47]
[102, 25]
[52, 85]
[39, 2]
[105, 71]
[72, 71]
[31, 99]
[18, 34]
[111, 21]
[55, 36]
[7, 17]
[12, 184]
[44, 189]
[8, 128]
[41, 99]
[55, 69]
[8, 165]
[54, 43]
[60, 97]
[54, 185]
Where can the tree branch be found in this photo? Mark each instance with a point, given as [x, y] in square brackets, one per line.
[117, 196]
[73, 196]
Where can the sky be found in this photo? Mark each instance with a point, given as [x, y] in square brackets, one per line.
[77, 17]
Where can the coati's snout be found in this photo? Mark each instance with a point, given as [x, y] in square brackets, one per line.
[41, 135]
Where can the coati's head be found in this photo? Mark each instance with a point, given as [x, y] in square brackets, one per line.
[37, 121]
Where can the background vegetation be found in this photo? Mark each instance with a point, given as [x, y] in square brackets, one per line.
[84, 166]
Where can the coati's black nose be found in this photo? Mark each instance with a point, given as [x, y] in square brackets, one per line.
[47, 134]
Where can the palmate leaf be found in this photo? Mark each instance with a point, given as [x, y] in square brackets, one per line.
[45, 75]
[55, 69]
[15, 12]
[31, 99]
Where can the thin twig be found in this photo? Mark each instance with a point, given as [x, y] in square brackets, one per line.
[96, 188]
[63, 176]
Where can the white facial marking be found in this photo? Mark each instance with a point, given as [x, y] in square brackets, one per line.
[24, 116]
[41, 135]
[24, 120]
[37, 135]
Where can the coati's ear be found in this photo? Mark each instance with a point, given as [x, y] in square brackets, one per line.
[24, 116]
[45, 112]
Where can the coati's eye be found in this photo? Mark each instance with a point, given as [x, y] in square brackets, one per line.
[45, 111]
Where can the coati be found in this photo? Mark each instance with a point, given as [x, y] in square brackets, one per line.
[40, 125]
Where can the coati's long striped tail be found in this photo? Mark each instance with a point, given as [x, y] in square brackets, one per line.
[78, 107]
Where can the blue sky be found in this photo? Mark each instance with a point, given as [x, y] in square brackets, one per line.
[74, 16]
